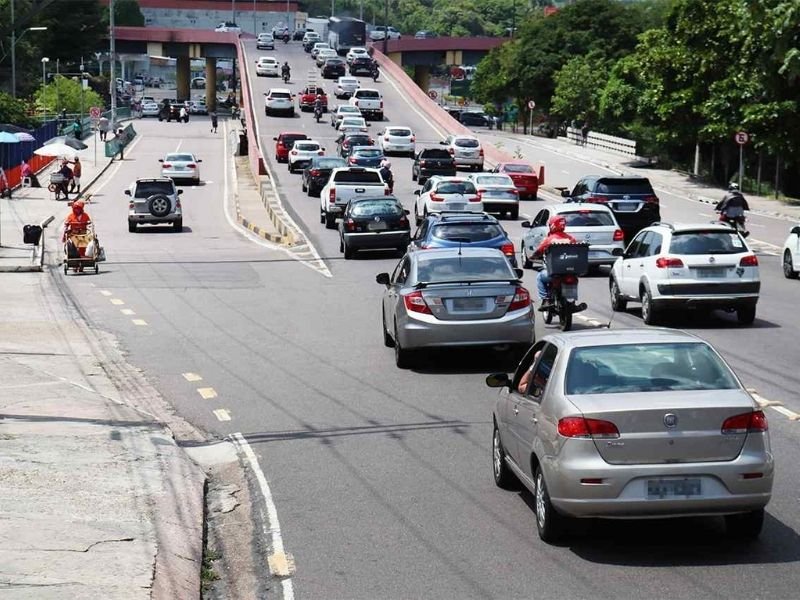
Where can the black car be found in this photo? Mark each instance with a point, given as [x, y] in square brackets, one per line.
[432, 161]
[631, 199]
[362, 65]
[298, 34]
[172, 112]
[474, 118]
[317, 173]
[371, 223]
[333, 68]
[353, 139]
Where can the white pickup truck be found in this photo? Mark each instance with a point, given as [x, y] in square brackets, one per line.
[369, 102]
[345, 184]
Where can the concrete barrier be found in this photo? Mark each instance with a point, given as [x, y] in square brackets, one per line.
[254, 153]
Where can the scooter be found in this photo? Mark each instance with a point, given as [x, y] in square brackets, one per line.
[286, 77]
[562, 300]
[375, 74]
[286, 38]
[318, 113]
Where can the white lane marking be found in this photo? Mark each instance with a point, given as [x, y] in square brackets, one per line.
[177, 149]
[412, 107]
[110, 176]
[222, 414]
[140, 322]
[272, 512]
[207, 393]
[565, 171]
[127, 312]
[191, 377]
[106, 293]
[117, 302]
[776, 405]
[793, 416]
[527, 216]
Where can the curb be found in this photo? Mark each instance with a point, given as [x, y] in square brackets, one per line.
[282, 237]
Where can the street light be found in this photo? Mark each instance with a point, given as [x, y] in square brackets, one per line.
[14, 40]
[45, 60]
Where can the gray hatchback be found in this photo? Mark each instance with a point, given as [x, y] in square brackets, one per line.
[644, 423]
[454, 297]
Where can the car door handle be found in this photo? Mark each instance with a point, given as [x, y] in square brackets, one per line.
[516, 411]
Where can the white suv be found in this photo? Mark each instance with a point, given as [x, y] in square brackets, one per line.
[441, 194]
[302, 152]
[679, 267]
[154, 201]
[466, 151]
[791, 254]
[278, 100]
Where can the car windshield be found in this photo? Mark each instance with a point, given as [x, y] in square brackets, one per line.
[399, 132]
[368, 94]
[467, 143]
[329, 163]
[706, 242]
[455, 187]
[348, 81]
[179, 157]
[334, 61]
[588, 218]
[281, 95]
[358, 177]
[371, 208]
[624, 186]
[518, 168]
[368, 153]
[145, 189]
[353, 122]
[349, 109]
[463, 268]
[473, 232]
[637, 368]
[493, 180]
[308, 147]
[434, 153]
[357, 141]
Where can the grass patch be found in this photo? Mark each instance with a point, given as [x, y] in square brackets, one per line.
[207, 573]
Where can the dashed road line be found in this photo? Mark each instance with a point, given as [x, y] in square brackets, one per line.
[793, 416]
[191, 377]
[127, 311]
[106, 293]
[117, 302]
[140, 322]
[207, 393]
[222, 414]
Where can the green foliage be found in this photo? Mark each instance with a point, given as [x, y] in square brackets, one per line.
[63, 93]
[579, 84]
[14, 111]
[127, 12]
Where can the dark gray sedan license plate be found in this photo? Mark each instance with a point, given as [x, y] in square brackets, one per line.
[673, 488]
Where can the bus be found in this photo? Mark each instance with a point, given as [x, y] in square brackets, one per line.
[345, 33]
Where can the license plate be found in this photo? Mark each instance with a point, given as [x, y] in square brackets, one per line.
[467, 303]
[596, 254]
[672, 488]
[178, 168]
[627, 206]
[458, 206]
[707, 272]
[379, 226]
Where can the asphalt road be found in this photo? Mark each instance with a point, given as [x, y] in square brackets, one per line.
[382, 477]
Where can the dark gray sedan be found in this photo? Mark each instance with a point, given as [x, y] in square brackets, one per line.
[452, 297]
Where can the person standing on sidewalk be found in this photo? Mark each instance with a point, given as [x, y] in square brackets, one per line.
[76, 176]
[5, 189]
[214, 121]
[102, 127]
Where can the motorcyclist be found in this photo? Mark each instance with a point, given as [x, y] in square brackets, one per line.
[557, 235]
[319, 108]
[375, 70]
[286, 71]
[386, 174]
[732, 206]
[285, 36]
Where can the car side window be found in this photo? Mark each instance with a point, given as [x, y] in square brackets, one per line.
[644, 245]
[401, 271]
[541, 218]
[579, 187]
[524, 367]
[655, 244]
[422, 231]
[428, 185]
[541, 372]
[633, 247]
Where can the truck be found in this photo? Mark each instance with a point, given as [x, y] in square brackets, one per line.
[320, 25]
[370, 102]
[345, 184]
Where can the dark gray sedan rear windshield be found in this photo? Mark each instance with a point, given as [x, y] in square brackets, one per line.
[435, 153]
[471, 232]
[368, 152]
[624, 186]
[464, 268]
[467, 143]
[706, 242]
[637, 368]
[358, 177]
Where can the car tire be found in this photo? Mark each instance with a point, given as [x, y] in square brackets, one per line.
[349, 253]
[618, 303]
[132, 227]
[402, 358]
[745, 526]
[330, 221]
[387, 338]
[417, 218]
[177, 225]
[526, 262]
[649, 312]
[503, 476]
[312, 191]
[746, 315]
[291, 168]
[549, 523]
[303, 186]
[788, 266]
[159, 205]
[514, 213]
[321, 216]
[414, 176]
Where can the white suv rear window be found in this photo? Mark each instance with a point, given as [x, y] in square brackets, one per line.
[706, 242]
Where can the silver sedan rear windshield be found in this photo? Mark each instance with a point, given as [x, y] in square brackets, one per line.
[464, 268]
[637, 368]
[471, 232]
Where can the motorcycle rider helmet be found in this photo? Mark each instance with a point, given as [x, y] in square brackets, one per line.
[557, 224]
[733, 187]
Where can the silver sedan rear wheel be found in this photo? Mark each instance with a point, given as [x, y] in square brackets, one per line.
[503, 477]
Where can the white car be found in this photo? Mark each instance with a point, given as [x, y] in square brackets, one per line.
[228, 26]
[302, 152]
[268, 66]
[181, 165]
[400, 140]
[446, 194]
[319, 46]
[356, 53]
[352, 123]
[150, 109]
[791, 254]
[346, 87]
[343, 110]
[380, 32]
[466, 151]
[675, 267]
[593, 224]
[310, 35]
[324, 54]
[198, 83]
[498, 193]
[198, 107]
[278, 100]
[265, 41]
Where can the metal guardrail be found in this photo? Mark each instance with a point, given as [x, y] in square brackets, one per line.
[603, 141]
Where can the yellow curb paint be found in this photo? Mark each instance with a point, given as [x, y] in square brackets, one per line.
[191, 377]
[281, 564]
[222, 414]
[207, 393]
[141, 322]
[117, 301]
[127, 312]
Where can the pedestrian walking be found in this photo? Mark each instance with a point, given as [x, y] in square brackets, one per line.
[76, 176]
[585, 133]
[102, 127]
[214, 121]
[122, 138]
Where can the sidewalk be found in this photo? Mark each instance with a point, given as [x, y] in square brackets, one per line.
[671, 181]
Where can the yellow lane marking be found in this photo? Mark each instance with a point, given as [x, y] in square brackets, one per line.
[117, 301]
[191, 377]
[222, 414]
[105, 292]
[127, 311]
[139, 321]
[207, 393]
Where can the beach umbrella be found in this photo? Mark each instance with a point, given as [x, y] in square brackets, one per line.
[24, 136]
[9, 128]
[68, 141]
[8, 138]
[56, 150]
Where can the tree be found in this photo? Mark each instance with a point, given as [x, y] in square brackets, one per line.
[579, 84]
[75, 28]
[14, 111]
[63, 93]
[127, 12]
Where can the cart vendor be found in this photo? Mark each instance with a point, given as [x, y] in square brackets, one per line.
[77, 220]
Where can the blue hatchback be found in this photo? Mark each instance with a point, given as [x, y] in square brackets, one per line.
[453, 229]
[365, 156]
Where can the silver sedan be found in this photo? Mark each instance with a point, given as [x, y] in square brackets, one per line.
[181, 165]
[645, 423]
[454, 297]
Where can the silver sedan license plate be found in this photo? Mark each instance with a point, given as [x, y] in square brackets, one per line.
[673, 488]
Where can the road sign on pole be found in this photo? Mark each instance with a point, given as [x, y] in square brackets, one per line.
[95, 112]
[433, 95]
[531, 104]
[741, 138]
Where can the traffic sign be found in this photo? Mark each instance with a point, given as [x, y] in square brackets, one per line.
[95, 112]
[433, 94]
[531, 104]
[741, 138]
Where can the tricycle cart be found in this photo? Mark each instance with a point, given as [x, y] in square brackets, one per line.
[81, 249]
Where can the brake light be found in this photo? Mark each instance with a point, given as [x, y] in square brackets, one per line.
[167, 166]
[423, 163]
[386, 138]
[751, 260]
[480, 195]
[581, 427]
[332, 195]
[386, 190]
[480, 153]
[350, 225]
[315, 172]
[178, 203]
[355, 103]
[414, 302]
[381, 103]
[413, 138]
[507, 249]
[321, 152]
[131, 205]
[752, 422]
[514, 191]
[191, 166]
[569, 279]
[294, 152]
[403, 220]
[522, 298]
[452, 151]
[351, 160]
[619, 235]
[475, 198]
[595, 200]
[667, 262]
[651, 199]
[435, 198]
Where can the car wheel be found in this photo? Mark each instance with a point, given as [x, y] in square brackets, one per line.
[649, 315]
[312, 191]
[515, 213]
[564, 318]
[304, 186]
[291, 167]
[526, 262]
[503, 477]
[746, 315]
[177, 225]
[549, 523]
[788, 266]
[533, 197]
[745, 526]
[348, 252]
[402, 357]
[321, 216]
[330, 221]
[618, 303]
[417, 218]
[131, 227]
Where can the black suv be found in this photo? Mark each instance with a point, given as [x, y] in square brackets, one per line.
[631, 199]
[362, 65]
[432, 161]
[317, 173]
[169, 111]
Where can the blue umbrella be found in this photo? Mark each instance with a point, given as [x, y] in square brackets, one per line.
[8, 138]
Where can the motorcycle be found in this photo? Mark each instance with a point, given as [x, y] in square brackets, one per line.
[318, 113]
[562, 299]
[285, 38]
[375, 74]
[286, 77]
[735, 222]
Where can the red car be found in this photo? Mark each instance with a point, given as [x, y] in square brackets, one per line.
[284, 143]
[525, 178]
[309, 96]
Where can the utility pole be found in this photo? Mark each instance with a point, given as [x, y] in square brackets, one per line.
[112, 71]
[386, 27]
[13, 54]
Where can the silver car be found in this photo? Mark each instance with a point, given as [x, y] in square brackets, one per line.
[643, 423]
[454, 297]
[181, 165]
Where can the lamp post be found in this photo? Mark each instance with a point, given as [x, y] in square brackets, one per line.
[81, 80]
[386, 28]
[14, 40]
[255, 29]
[112, 84]
[45, 60]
